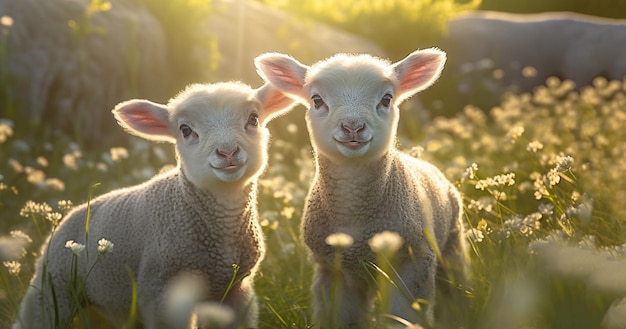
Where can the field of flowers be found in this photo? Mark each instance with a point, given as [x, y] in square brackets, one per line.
[541, 177]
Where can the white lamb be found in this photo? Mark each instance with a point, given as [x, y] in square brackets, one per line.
[198, 219]
[364, 185]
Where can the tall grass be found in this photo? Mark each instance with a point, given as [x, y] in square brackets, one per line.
[541, 177]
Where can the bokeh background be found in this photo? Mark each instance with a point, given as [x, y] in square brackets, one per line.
[527, 120]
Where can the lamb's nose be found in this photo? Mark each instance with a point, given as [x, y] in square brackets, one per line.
[228, 153]
[353, 129]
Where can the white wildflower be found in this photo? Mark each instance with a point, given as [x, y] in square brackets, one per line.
[71, 159]
[475, 235]
[339, 240]
[76, 248]
[17, 234]
[386, 242]
[42, 161]
[524, 225]
[534, 146]
[515, 133]
[6, 130]
[470, 171]
[33, 208]
[118, 153]
[553, 178]
[34, 176]
[181, 295]
[564, 163]
[288, 212]
[55, 184]
[416, 151]
[484, 203]
[292, 128]
[214, 315]
[65, 204]
[105, 246]
[16, 166]
[13, 267]
[6, 21]
[54, 218]
[546, 208]
[498, 180]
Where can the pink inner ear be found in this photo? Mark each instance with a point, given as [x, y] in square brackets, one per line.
[286, 75]
[273, 101]
[284, 72]
[145, 122]
[418, 74]
[145, 118]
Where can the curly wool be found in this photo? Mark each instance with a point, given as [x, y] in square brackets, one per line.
[165, 226]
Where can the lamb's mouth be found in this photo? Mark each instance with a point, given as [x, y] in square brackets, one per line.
[229, 169]
[353, 144]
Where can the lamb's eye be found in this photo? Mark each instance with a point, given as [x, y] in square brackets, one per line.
[253, 119]
[185, 130]
[317, 101]
[386, 101]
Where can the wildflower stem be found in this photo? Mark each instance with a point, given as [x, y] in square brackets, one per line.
[93, 265]
[133, 305]
[231, 283]
[55, 302]
[89, 215]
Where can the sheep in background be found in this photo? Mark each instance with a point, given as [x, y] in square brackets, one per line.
[363, 185]
[53, 72]
[529, 48]
[198, 219]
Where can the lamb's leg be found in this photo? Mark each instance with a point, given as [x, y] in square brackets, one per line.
[417, 281]
[453, 279]
[242, 299]
[339, 300]
[38, 309]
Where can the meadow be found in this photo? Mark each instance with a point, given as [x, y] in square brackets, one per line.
[541, 176]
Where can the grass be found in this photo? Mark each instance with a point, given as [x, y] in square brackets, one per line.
[540, 177]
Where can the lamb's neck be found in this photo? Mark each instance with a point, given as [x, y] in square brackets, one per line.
[232, 206]
[368, 180]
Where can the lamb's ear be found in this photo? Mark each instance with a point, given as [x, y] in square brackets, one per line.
[282, 71]
[273, 101]
[145, 119]
[418, 71]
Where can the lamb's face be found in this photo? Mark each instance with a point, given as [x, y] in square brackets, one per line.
[352, 100]
[351, 112]
[220, 136]
[219, 130]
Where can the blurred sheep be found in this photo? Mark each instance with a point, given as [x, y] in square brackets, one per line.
[198, 220]
[65, 61]
[364, 186]
[529, 48]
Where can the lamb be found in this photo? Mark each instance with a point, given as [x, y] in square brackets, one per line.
[198, 220]
[364, 186]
